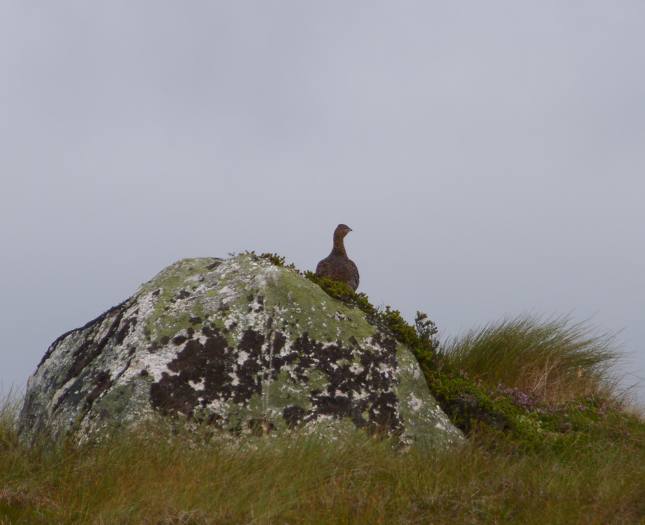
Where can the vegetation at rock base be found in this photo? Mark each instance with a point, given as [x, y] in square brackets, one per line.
[551, 440]
[155, 476]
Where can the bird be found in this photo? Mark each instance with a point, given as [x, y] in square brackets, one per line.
[337, 265]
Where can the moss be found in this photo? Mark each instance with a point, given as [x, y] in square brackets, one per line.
[163, 322]
[317, 380]
[466, 404]
[419, 338]
[474, 409]
[166, 326]
[342, 292]
[176, 274]
[289, 288]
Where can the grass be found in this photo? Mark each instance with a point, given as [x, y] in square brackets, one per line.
[550, 441]
[152, 476]
[554, 361]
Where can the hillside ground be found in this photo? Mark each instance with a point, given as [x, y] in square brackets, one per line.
[551, 440]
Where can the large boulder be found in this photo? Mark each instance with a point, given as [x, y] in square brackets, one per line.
[240, 344]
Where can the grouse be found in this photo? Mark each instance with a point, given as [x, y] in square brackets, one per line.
[337, 265]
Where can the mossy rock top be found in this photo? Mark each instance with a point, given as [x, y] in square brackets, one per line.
[240, 344]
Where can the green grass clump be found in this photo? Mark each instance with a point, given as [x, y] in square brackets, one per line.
[554, 361]
[538, 384]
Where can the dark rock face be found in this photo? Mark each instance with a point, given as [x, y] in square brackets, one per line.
[213, 364]
[245, 346]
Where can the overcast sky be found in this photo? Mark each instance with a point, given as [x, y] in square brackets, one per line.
[490, 156]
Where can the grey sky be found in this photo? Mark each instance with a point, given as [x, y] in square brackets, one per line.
[490, 156]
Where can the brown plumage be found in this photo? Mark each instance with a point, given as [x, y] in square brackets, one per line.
[337, 265]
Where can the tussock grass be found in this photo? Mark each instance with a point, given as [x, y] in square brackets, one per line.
[156, 476]
[555, 360]
[8, 415]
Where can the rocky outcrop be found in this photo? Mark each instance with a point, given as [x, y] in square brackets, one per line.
[239, 344]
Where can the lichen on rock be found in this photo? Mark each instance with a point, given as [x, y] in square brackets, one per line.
[240, 344]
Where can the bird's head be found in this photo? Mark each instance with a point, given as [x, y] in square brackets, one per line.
[342, 230]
